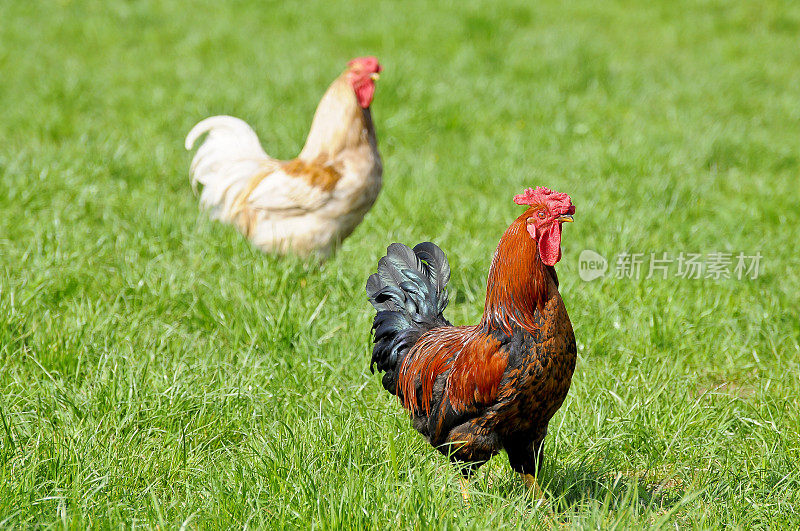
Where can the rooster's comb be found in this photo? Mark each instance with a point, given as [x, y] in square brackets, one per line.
[545, 196]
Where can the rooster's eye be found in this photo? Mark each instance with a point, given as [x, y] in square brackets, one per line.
[540, 214]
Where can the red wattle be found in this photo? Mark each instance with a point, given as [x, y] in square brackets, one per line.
[550, 244]
[364, 93]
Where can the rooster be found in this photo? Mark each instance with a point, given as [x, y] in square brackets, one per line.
[306, 205]
[474, 390]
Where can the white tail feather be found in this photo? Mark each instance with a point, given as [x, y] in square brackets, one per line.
[226, 161]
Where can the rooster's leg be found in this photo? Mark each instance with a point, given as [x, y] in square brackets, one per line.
[532, 484]
[465, 490]
[526, 458]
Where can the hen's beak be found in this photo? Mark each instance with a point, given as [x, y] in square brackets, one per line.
[375, 77]
[566, 218]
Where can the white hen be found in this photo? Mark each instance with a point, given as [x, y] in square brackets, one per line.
[307, 205]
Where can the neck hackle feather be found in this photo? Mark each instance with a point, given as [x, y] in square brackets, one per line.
[516, 285]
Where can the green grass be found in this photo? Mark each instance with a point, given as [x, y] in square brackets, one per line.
[156, 370]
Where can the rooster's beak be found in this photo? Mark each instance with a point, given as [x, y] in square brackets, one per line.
[566, 218]
[375, 77]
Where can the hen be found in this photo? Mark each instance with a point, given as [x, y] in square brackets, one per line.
[307, 205]
[474, 390]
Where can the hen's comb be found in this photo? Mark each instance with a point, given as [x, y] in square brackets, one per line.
[545, 196]
[369, 63]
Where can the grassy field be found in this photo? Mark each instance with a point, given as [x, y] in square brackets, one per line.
[158, 371]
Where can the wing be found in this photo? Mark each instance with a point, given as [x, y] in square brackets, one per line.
[285, 195]
[471, 360]
[450, 375]
[475, 375]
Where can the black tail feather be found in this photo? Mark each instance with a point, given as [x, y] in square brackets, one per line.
[409, 292]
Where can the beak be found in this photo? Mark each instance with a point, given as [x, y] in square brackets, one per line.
[566, 218]
[375, 77]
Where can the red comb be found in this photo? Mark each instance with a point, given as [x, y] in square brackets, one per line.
[368, 63]
[545, 196]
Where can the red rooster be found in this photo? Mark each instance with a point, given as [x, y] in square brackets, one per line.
[474, 390]
[306, 205]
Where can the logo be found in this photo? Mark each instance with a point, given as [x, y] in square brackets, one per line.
[591, 265]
